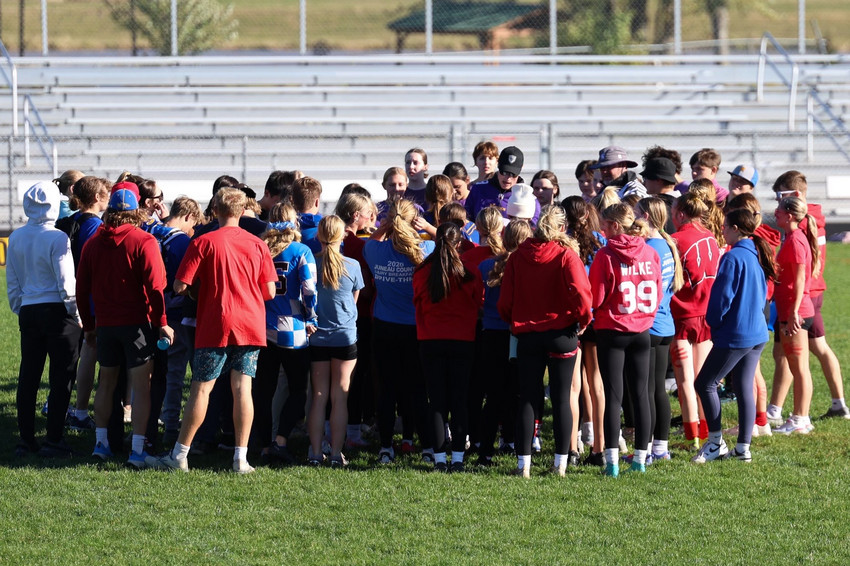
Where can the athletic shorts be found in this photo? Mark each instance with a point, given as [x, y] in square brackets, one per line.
[589, 335]
[328, 353]
[133, 344]
[817, 330]
[693, 329]
[213, 362]
[807, 325]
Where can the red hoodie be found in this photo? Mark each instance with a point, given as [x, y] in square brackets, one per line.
[700, 257]
[121, 268]
[545, 287]
[625, 278]
[454, 317]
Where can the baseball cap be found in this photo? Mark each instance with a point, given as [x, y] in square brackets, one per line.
[612, 155]
[511, 160]
[127, 186]
[123, 200]
[522, 203]
[746, 172]
[660, 168]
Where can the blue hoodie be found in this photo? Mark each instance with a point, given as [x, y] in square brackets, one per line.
[736, 304]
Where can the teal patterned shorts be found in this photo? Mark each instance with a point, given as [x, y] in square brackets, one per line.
[210, 363]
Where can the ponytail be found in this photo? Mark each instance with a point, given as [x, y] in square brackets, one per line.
[516, 232]
[330, 234]
[551, 227]
[446, 267]
[401, 233]
[812, 237]
[656, 216]
[746, 222]
[490, 225]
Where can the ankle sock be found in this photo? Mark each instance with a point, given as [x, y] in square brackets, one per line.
[741, 448]
[703, 429]
[691, 430]
[100, 436]
[716, 437]
[761, 418]
[837, 404]
[457, 457]
[240, 453]
[523, 461]
[439, 457]
[138, 443]
[659, 447]
[612, 456]
[774, 411]
[640, 457]
[180, 451]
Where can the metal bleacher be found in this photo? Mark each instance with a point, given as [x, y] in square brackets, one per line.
[182, 119]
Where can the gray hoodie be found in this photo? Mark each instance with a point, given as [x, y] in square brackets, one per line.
[39, 264]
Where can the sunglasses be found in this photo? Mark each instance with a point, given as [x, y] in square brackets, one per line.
[782, 194]
[506, 174]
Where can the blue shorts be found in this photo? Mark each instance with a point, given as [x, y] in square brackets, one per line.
[210, 363]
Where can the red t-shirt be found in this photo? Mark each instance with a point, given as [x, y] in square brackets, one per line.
[794, 251]
[473, 257]
[700, 256]
[232, 267]
[818, 285]
[454, 317]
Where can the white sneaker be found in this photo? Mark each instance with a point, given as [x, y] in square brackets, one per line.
[167, 463]
[242, 467]
[790, 427]
[775, 420]
[762, 430]
[742, 456]
[711, 451]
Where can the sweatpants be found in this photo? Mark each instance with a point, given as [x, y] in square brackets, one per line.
[741, 363]
[537, 351]
[47, 331]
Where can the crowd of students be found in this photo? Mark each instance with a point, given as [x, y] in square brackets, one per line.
[441, 309]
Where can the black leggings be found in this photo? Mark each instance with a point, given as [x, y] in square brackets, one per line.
[624, 356]
[500, 387]
[555, 349]
[447, 365]
[659, 401]
[399, 370]
[296, 365]
[46, 331]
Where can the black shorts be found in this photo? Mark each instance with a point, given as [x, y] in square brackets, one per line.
[806, 326]
[328, 353]
[133, 343]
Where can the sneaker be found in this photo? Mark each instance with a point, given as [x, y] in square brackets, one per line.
[242, 467]
[522, 472]
[535, 444]
[167, 462]
[572, 459]
[790, 427]
[56, 450]
[742, 456]
[711, 451]
[762, 430]
[339, 462]
[200, 447]
[428, 456]
[611, 471]
[315, 460]
[385, 457]
[657, 457]
[594, 459]
[278, 454]
[138, 461]
[842, 413]
[457, 468]
[441, 467]
[560, 471]
[102, 452]
[25, 448]
[775, 421]
[81, 425]
[638, 467]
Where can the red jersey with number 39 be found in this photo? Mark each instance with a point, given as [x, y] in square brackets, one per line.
[700, 257]
[625, 279]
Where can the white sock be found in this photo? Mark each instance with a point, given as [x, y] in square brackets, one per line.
[100, 436]
[523, 461]
[838, 403]
[353, 431]
[439, 457]
[640, 457]
[659, 447]
[802, 421]
[180, 451]
[774, 411]
[138, 443]
[240, 454]
[742, 448]
[612, 456]
[82, 414]
[558, 459]
[715, 437]
[457, 457]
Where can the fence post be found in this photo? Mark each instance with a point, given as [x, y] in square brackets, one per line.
[174, 28]
[429, 26]
[553, 27]
[244, 158]
[546, 146]
[677, 27]
[801, 26]
[302, 27]
[26, 132]
[44, 27]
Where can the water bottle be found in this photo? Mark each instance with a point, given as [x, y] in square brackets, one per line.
[163, 343]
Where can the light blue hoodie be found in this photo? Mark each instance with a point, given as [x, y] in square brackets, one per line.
[39, 264]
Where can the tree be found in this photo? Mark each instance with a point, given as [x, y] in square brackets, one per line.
[201, 24]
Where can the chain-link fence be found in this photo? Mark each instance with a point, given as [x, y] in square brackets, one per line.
[167, 27]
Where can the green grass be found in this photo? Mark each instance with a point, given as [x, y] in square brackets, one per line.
[362, 25]
[788, 506]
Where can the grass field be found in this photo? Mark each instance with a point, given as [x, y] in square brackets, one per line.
[76, 25]
[789, 506]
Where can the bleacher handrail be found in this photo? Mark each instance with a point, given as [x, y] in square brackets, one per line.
[29, 126]
[812, 97]
[790, 83]
[12, 81]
